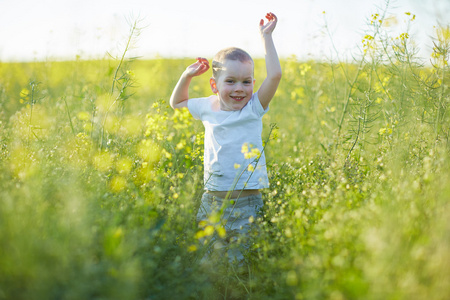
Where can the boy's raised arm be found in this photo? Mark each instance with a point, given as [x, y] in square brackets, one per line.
[180, 93]
[273, 68]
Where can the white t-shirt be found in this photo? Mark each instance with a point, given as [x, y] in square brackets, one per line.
[226, 132]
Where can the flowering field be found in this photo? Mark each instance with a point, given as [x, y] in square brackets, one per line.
[100, 181]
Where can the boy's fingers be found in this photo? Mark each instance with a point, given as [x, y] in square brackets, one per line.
[203, 64]
[203, 60]
[271, 16]
[261, 23]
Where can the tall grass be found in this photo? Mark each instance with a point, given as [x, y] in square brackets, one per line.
[98, 200]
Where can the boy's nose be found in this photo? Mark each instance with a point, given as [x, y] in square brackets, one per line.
[238, 86]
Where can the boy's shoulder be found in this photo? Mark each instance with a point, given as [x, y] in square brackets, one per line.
[199, 106]
[203, 102]
[256, 105]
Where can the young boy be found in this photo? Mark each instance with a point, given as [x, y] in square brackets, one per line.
[234, 160]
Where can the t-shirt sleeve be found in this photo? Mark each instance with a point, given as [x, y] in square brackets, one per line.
[195, 107]
[257, 107]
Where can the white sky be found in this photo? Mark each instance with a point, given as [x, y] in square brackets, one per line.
[62, 29]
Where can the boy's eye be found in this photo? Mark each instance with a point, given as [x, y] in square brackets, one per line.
[247, 82]
[229, 81]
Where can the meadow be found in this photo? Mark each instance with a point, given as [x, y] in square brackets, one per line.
[100, 180]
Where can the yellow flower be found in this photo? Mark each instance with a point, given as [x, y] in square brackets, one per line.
[103, 161]
[244, 148]
[83, 116]
[256, 152]
[209, 230]
[409, 14]
[221, 232]
[404, 36]
[118, 184]
[406, 136]
[250, 151]
[124, 165]
[200, 234]
[24, 95]
[180, 145]
[149, 151]
[304, 68]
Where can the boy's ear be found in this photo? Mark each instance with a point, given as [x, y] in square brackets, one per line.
[212, 83]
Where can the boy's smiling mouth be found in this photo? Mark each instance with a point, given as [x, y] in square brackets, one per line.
[238, 98]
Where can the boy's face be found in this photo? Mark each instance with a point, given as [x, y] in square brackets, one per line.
[234, 85]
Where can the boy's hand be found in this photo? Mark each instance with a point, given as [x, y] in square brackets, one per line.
[270, 26]
[180, 94]
[198, 68]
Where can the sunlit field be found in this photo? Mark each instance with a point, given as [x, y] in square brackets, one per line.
[100, 180]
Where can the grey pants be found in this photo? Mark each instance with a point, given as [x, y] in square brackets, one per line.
[233, 215]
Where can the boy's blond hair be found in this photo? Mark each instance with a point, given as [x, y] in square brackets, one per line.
[231, 53]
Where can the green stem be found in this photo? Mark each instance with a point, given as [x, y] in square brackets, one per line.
[68, 113]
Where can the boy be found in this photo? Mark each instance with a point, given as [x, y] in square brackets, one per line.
[234, 160]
